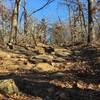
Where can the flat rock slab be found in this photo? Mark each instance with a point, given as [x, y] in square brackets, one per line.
[45, 67]
[41, 58]
[63, 53]
[59, 59]
[49, 57]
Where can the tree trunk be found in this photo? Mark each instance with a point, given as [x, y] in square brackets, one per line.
[90, 21]
[69, 14]
[14, 25]
[82, 18]
[25, 18]
[2, 16]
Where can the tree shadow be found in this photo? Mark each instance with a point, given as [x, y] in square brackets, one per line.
[38, 84]
[87, 68]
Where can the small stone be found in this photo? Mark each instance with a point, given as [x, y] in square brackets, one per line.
[51, 90]
[99, 86]
[38, 98]
[62, 96]
[59, 74]
[48, 49]
[80, 84]
[25, 62]
[47, 98]
[90, 86]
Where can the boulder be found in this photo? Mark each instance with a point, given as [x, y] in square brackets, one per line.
[8, 86]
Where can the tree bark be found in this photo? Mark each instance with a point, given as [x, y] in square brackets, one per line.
[2, 16]
[14, 25]
[90, 21]
[82, 18]
[25, 18]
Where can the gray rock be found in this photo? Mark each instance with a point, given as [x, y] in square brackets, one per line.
[63, 53]
[59, 74]
[41, 58]
[8, 86]
[58, 59]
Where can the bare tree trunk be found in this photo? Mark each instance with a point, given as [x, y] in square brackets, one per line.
[25, 18]
[2, 35]
[81, 14]
[70, 22]
[14, 25]
[90, 21]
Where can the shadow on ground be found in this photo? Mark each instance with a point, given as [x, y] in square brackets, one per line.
[88, 62]
[38, 84]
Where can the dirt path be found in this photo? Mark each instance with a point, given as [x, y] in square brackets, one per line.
[72, 77]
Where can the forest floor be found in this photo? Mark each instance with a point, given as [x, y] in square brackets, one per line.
[45, 73]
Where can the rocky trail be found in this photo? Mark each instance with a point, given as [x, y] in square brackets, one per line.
[48, 73]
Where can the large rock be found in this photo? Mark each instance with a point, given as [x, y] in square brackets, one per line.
[58, 74]
[41, 45]
[44, 56]
[40, 50]
[63, 52]
[58, 65]
[48, 49]
[41, 58]
[59, 59]
[45, 67]
[8, 86]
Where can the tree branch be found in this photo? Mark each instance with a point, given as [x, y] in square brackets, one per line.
[47, 3]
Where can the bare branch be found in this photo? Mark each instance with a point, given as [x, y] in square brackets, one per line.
[46, 4]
